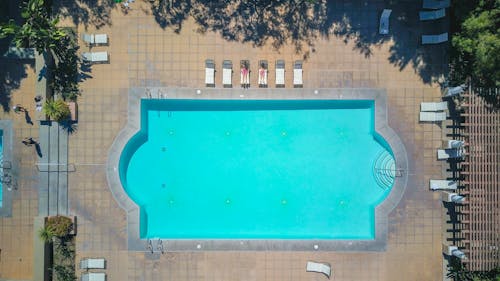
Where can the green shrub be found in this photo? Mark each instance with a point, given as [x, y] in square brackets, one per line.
[56, 110]
[59, 225]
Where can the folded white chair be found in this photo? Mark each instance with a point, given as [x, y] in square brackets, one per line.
[93, 276]
[432, 116]
[436, 4]
[454, 144]
[263, 66]
[432, 15]
[448, 153]
[88, 38]
[90, 263]
[435, 39]
[442, 184]
[280, 73]
[101, 39]
[319, 267]
[433, 106]
[95, 57]
[384, 21]
[453, 91]
[209, 73]
[297, 74]
[227, 74]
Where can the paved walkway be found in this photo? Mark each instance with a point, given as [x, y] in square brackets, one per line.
[144, 54]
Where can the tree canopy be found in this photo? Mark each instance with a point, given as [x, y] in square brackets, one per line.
[476, 44]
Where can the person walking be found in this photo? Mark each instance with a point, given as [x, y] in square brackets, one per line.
[29, 141]
[18, 108]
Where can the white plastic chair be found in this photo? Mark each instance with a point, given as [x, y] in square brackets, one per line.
[227, 74]
[432, 15]
[442, 184]
[384, 21]
[319, 267]
[210, 73]
[93, 276]
[433, 106]
[435, 39]
[96, 57]
[426, 116]
[90, 263]
[280, 73]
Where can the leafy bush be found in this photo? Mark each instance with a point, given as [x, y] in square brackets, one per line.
[56, 110]
[59, 225]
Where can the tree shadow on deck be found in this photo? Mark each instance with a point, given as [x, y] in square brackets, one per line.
[303, 23]
[87, 12]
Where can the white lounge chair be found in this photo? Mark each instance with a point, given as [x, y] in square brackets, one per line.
[442, 184]
[433, 106]
[95, 39]
[263, 67]
[93, 263]
[95, 57]
[453, 91]
[436, 4]
[297, 74]
[384, 21]
[245, 73]
[435, 39]
[210, 73]
[93, 276]
[453, 144]
[432, 116]
[432, 15]
[319, 267]
[448, 153]
[280, 73]
[227, 74]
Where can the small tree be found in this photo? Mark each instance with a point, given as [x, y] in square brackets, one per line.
[56, 110]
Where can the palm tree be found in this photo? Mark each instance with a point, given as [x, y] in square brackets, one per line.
[38, 31]
[46, 234]
[56, 110]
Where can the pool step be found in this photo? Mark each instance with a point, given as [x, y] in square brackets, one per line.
[384, 170]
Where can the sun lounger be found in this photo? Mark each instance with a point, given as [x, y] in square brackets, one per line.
[384, 22]
[227, 74]
[297, 74]
[263, 67]
[95, 57]
[210, 73]
[433, 106]
[245, 73]
[432, 15]
[453, 91]
[453, 143]
[435, 39]
[442, 184]
[95, 39]
[432, 116]
[93, 276]
[280, 74]
[319, 267]
[436, 4]
[92, 263]
[448, 153]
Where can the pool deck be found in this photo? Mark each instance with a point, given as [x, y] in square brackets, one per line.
[142, 54]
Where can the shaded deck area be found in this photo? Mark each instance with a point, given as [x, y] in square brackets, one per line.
[480, 174]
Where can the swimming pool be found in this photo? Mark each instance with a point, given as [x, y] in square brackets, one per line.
[254, 169]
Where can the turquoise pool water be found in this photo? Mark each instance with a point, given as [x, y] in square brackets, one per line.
[221, 169]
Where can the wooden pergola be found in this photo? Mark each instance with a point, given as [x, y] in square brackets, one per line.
[479, 176]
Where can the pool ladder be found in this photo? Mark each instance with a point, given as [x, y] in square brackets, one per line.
[384, 170]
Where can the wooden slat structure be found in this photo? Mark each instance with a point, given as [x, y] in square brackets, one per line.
[480, 182]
